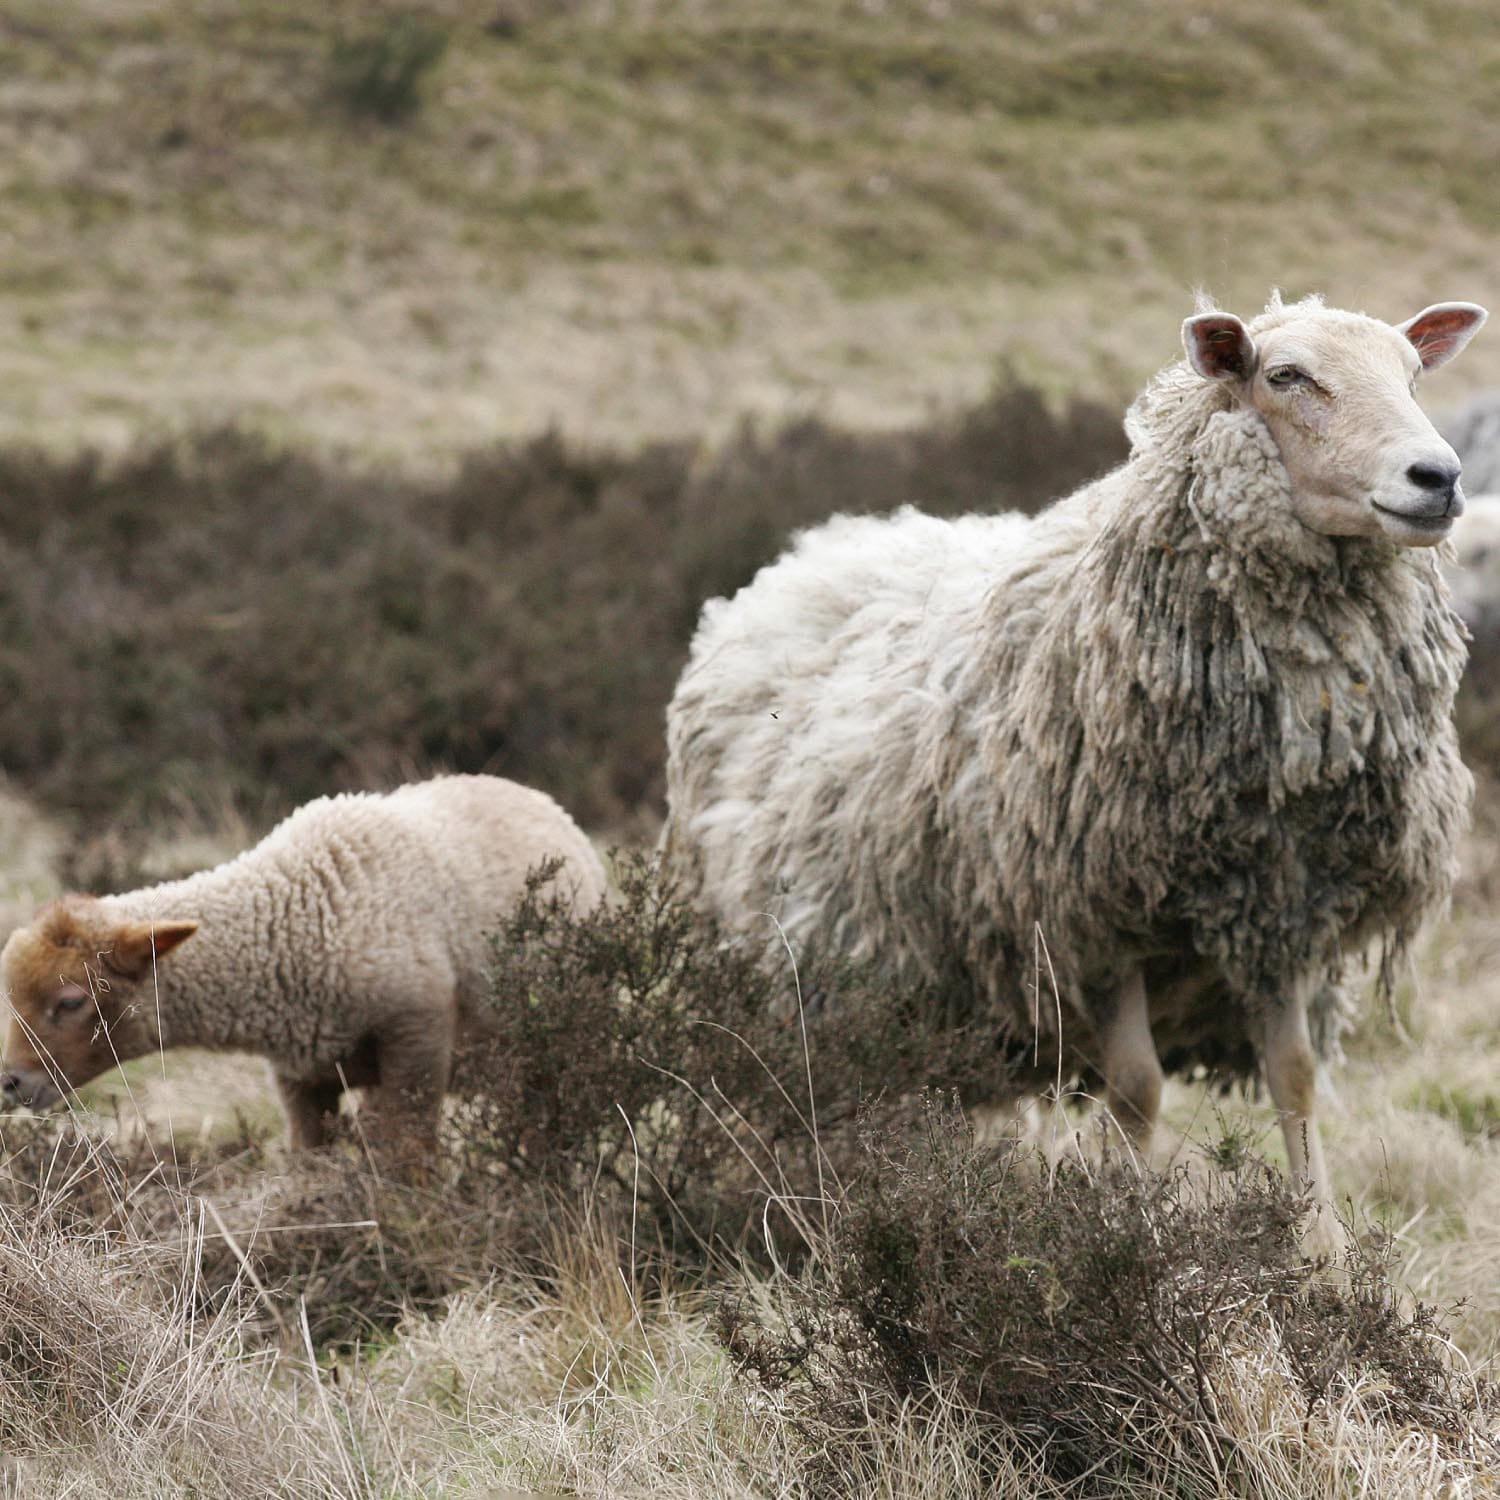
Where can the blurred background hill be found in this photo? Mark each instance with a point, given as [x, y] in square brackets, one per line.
[406, 230]
[387, 384]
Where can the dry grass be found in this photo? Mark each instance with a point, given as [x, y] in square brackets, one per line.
[115, 1379]
[556, 1362]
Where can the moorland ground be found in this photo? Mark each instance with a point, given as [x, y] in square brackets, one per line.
[405, 230]
[293, 298]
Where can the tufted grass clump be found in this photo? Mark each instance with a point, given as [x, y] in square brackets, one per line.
[1096, 1316]
[122, 1370]
[380, 71]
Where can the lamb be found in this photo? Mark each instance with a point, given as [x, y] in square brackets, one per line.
[1190, 728]
[348, 947]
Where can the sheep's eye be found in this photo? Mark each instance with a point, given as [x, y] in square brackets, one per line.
[1284, 376]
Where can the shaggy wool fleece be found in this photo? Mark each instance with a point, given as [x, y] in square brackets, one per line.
[1162, 723]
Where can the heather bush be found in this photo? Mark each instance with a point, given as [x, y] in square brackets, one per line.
[217, 618]
[716, 1100]
[1092, 1313]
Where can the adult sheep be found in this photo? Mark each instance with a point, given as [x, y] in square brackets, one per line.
[1475, 435]
[1190, 727]
[1474, 577]
[348, 947]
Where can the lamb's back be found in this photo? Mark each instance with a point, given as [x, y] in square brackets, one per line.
[487, 834]
[370, 888]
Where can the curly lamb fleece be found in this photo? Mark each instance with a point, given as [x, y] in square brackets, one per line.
[1164, 723]
[350, 945]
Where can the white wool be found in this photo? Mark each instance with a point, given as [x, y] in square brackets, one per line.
[1162, 725]
[1474, 575]
[354, 910]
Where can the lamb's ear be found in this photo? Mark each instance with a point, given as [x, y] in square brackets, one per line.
[1218, 347]
[130, 952]
[1439, 332]
[57, 924]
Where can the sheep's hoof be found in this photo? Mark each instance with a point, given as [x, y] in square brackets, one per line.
[1324, 1236]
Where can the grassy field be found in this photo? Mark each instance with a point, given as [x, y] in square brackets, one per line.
[404, 231]
[387, 385]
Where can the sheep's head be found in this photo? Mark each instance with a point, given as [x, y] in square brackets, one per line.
[1338, 392]
[79, 987]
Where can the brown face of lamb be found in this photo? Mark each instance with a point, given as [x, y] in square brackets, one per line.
[1338, 392]
[80, 992]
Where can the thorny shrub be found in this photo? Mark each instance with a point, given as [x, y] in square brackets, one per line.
[1075, 1305]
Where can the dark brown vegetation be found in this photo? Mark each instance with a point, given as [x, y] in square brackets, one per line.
[1087, 1313]
[216, 617]
[717, 1099]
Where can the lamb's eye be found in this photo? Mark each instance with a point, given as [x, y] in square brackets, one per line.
[69, 997]
[1286, 375]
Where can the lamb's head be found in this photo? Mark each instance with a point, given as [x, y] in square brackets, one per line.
[79, 986]
[1338, 392]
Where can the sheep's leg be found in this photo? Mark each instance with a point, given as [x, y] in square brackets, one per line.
[1131, 1068]
[309, 1109]
[1292, 1076]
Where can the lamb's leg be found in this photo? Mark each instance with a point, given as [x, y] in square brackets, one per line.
[415, 1059]
[1131, 1068]
[309, 1109]
[1292, 1076]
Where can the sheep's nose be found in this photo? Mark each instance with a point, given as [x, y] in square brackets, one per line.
[10, 1087]
[1438, 477]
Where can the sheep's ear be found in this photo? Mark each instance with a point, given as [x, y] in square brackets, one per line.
[1439, 332]
[1218, 347]
[130, 952]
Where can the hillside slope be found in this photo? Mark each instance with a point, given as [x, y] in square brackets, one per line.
[406, 229]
